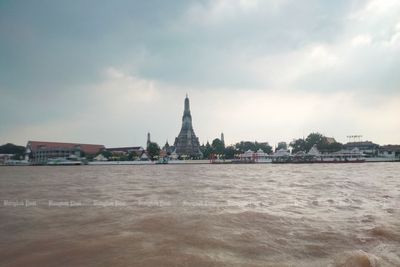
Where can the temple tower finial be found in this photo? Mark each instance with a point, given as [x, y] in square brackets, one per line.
[187, 107]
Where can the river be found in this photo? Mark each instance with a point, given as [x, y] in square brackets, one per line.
[201, 215]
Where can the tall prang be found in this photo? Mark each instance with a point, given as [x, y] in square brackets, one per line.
[187, 143]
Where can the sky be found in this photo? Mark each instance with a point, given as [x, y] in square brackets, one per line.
[108, 72]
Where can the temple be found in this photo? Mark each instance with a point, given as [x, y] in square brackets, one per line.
[187, 144]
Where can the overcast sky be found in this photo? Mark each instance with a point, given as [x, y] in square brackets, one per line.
[108, 72]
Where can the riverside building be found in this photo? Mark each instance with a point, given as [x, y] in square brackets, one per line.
[40, 152]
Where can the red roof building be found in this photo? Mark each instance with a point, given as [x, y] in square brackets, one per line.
[40, 151]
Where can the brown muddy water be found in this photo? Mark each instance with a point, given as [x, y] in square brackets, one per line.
[201, 215]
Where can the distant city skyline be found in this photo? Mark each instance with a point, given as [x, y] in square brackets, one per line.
[110, 72]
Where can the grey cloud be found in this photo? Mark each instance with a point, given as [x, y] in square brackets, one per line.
[207, 53]
[50, 42]
[53, 51]
[45, 43]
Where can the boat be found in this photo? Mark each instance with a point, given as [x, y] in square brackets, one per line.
[71, 160]
[63, 161]
[17, 163]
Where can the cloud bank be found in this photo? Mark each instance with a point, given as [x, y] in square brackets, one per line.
[105, 72]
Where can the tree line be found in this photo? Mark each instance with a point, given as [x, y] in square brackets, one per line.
[322, 142]
[17, 151]
[217, 147]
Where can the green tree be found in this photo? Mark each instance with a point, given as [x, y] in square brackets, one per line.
[243, 146]
[18, 151]
[154, 150]
[230, 152]
[253, 146]
[107, 154]
[264, 147]
[218, 146]
[330, 147]
[281, 145]
[132, 155]
[298, 145]
[315, 139]
[206, 150]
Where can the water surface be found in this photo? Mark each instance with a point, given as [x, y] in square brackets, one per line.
[201, 215]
